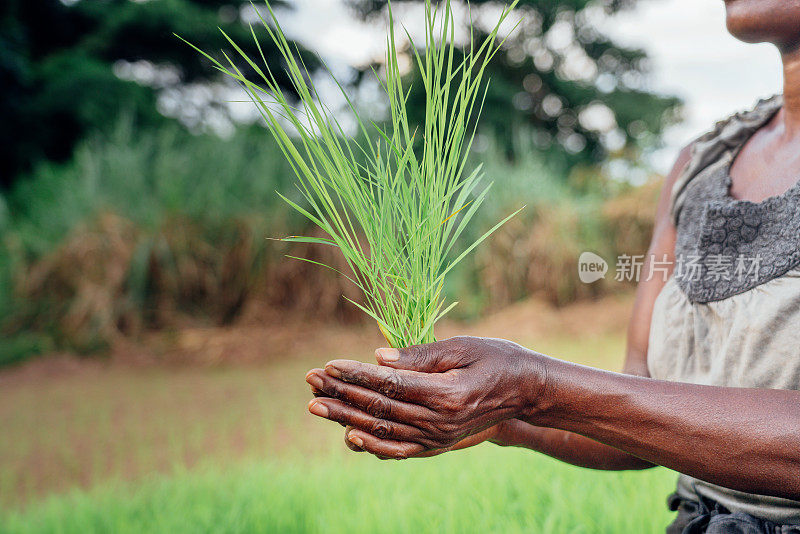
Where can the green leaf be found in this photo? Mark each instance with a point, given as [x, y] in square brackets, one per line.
[396, 217]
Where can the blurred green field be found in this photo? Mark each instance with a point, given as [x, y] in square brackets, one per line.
[486, 489]
[90, 446]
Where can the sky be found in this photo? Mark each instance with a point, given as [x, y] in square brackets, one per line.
[695, 58]
[692, 54]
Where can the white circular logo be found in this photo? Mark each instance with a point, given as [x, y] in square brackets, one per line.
[591, 267]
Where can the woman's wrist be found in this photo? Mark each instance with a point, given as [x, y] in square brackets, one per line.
[535, 388]
[572, 397]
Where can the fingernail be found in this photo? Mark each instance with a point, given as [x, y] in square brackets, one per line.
[314, 379]
[333, 371]
[317, 408]
[388, 355]
[355, 440]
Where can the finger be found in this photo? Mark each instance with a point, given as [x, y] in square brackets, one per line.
[370, 401]
[319, 394]
[385, 448]
[436, 357]
[343, 413]
[350, 445]
[315, 389]
[409, 386]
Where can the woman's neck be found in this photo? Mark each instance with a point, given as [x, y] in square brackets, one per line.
[791, 92]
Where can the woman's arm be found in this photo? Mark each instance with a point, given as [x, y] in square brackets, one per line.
[566, 446]
[580, 450]
[739, 438]
[743, 439]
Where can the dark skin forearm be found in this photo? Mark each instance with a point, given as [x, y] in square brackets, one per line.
[574, 448]
[580, 450]
[743, 439]
[567, 446]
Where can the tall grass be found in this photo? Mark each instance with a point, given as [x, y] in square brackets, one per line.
[148, 177]
[486, 489]
[412, 196]
[184, 217]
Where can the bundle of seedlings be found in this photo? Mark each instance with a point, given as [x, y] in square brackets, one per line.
[394, 198]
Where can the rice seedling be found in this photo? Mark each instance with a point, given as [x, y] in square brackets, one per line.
[394, 199]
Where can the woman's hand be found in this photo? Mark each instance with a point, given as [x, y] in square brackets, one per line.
[428, 397]
[494, 434]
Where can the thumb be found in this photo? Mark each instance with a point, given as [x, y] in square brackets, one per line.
[430, 358]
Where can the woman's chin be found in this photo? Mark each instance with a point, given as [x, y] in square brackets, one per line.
[745, 31]
[763, 21]
[743, 23]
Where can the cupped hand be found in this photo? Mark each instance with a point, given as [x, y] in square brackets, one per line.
[360, 441]
[428, 398]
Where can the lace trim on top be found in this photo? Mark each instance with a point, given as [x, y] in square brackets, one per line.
[727, 246]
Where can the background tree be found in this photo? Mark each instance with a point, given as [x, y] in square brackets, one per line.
[70, 67]
[578, 93]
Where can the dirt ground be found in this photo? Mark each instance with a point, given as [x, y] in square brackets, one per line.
[180, 399]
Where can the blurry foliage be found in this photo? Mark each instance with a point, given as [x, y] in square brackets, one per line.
[149, 177]
[537, 252]
[630, 217]
[562, 80]
[60, 60]
[153, 231]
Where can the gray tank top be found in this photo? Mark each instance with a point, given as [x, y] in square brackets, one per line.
[730, 314]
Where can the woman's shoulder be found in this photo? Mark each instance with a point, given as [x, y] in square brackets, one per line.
[730, 130]
[728, 134]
